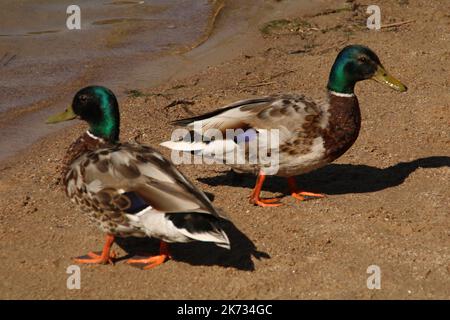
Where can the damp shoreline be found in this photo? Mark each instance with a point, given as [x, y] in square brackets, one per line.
[230, 29]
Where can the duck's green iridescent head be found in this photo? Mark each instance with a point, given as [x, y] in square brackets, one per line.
[355, 63]
[97, 106]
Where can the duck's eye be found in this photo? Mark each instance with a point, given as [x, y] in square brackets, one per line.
[83, 98]
[363, 59]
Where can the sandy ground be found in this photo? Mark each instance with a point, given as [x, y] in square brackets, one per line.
[388, 196]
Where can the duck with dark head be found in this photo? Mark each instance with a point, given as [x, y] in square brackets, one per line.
[130, 189]
[311, 133]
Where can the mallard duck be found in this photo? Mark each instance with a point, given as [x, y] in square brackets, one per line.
[130, 189]
[309, 133]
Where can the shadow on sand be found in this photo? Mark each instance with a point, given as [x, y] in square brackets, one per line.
[201, 253]
[333, 179]
[337, 178]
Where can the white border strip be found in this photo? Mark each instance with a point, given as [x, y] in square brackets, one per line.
[339, 94]
[94, 137]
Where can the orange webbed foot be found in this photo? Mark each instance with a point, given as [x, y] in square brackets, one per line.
[154, 261]
[256, 200]
[303, 195]
[96, 258]
[273, 202]
[104, 257]
[150, 262]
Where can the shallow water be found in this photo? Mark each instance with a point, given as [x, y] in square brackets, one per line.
[122, 45]
[39, 55]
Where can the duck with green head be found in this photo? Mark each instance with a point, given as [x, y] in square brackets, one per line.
[129, 189]
[310, 133]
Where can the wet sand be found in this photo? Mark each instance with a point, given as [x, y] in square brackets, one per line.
[387, 200]
[230, 28]
[43, 62]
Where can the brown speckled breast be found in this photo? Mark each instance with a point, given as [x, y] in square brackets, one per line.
[343, 126]
[83, 144]
[106, 215]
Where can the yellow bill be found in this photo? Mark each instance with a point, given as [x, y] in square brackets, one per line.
[383, 77]
[68, 114]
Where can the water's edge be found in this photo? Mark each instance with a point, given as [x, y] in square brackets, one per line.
[231, 31]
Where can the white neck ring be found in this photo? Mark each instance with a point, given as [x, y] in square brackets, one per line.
[93, 136]
[339, 94]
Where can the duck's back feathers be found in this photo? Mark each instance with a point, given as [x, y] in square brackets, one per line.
[131, 174]
[264, 113]
[139, 188]
[248, 102]
[287, 125]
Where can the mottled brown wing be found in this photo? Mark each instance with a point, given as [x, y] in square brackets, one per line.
[115, 177]
[288, 113]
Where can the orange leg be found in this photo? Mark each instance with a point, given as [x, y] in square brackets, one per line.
[105, 257]
[151, 262]
[255, 196]
[301, 195]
